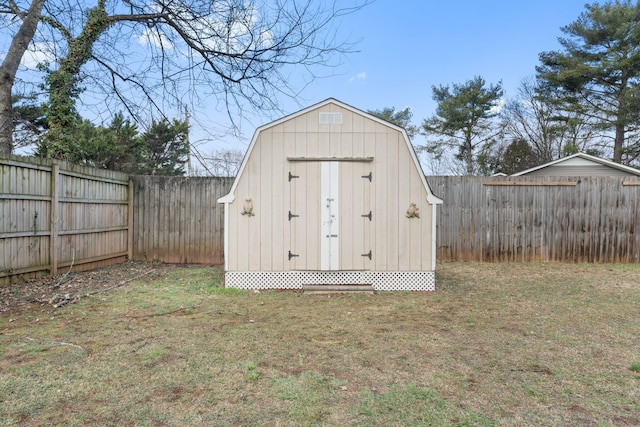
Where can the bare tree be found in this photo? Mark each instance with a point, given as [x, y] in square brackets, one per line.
[9, 68]
[533, 116]
[147, 56]
[225, 162]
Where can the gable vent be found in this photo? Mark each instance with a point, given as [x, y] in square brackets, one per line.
[330, 118]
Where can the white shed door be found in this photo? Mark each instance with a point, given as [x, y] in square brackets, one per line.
[330, 215]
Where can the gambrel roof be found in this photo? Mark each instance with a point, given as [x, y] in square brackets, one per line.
[431, 198]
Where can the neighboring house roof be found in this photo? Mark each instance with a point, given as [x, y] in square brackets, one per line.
[431, 198]
[581, 164]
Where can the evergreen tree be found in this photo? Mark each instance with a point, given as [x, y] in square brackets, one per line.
[464, 120]
[519, 156]
[400, 118]
[165, 147]
[597, 72]
[161, 150]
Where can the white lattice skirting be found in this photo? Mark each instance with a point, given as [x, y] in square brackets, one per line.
[380, 280]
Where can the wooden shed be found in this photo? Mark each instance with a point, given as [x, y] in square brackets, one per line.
[330, 195]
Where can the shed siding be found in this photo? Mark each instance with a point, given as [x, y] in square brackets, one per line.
[262, 242]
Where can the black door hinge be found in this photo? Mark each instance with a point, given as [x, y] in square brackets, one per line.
[369, 215]
[291, 176]
[369, 255]
[292, 216]
[292, 255]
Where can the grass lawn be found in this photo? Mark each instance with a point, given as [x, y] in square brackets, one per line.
[496, 344]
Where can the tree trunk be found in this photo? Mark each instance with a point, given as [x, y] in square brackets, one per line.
[9, 68]
[63, 86]
[468, 156]
[618, 144]
[6, 115]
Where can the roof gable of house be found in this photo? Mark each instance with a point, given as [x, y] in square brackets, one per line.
[580, 164]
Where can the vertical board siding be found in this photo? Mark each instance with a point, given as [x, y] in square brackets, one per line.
[594, 220]
[56, 215]
[177, 219]
[299, 145]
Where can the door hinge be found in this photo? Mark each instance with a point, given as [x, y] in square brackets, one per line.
[369, 255]
[369, 177]
[291, 176]
[292, 216]
[369, 215]
[292, 255]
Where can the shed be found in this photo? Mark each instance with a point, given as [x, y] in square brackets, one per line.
[580, 164]
[330, 195]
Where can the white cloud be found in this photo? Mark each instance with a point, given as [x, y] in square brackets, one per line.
[153, 38]
[496, 109]
[37, 53]
[359, 76]
[217, 31]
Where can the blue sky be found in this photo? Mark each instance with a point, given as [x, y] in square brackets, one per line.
[406, 47]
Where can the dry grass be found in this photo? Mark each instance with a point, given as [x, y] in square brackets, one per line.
[497, 344]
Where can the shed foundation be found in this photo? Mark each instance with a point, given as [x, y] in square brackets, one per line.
[379, 280]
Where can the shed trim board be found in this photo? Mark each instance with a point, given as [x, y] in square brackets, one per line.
[335, 199]
[330, 159]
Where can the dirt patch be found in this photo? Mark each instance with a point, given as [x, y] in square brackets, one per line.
[68, 287]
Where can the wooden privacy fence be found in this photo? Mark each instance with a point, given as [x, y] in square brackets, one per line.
[54, 215]
[568, 219]
[178, 219]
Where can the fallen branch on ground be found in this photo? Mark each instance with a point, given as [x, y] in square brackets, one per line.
[58, 300]
[166, 313]
[124, 282]
[58, 343]
[64, 276]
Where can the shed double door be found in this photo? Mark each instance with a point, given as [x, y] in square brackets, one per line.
[330, 215]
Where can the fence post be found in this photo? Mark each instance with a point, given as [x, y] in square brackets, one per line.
[130, 222]
[53, 224]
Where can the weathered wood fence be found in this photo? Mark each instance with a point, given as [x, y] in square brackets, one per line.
[54, 215]
[568, 219]
[178, 220]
